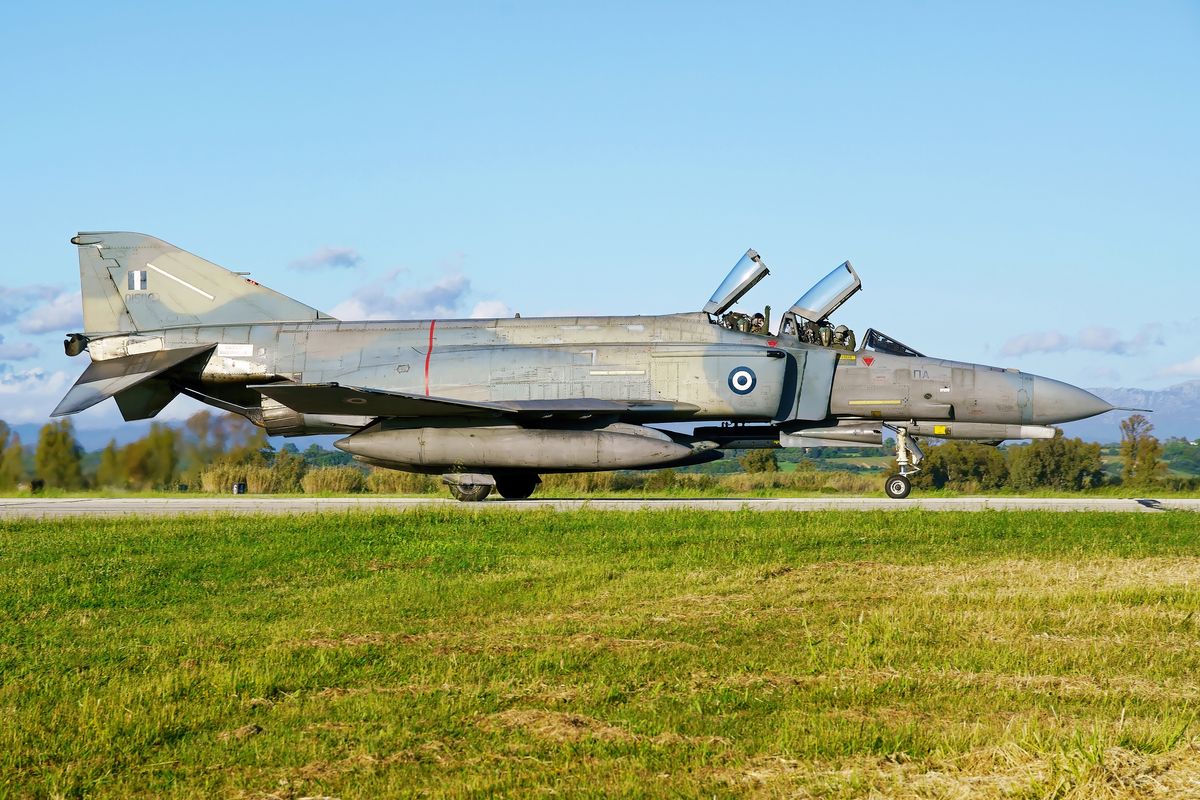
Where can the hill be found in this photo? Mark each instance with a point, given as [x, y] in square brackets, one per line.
[1175, 412]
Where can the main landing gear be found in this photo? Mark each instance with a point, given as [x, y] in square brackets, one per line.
[470, 492]
[473, 488]
[908, 456]
[516, 487]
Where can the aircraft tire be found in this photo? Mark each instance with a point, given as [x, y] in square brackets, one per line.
[897, 487]
[470, 492]
[516, 487]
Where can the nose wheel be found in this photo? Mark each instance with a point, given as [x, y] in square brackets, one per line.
[908, 457]
[897, 487]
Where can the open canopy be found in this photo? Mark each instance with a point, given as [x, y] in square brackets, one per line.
[828, 293]
[748, 271]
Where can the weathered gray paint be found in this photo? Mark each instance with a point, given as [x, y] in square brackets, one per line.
[510, 394]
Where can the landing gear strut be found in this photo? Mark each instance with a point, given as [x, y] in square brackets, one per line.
[908, 456]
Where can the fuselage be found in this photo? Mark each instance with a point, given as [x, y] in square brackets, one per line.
[707, 371]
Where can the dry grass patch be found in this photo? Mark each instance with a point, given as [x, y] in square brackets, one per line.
[996, 772]
[556, 726]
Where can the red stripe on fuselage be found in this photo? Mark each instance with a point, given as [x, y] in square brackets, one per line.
[428, 353]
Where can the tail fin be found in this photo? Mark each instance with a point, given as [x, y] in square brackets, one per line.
[134, 282]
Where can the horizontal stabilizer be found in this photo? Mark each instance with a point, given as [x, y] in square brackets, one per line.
[334, 399]
[104, 379]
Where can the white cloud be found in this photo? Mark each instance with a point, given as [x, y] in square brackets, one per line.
[379, 300]
[328, 258]
[16, 300]
[62, 314]
[1097, 339]
[490, 309]
[17, 351]
[29, 395]
[1188, 369]
[1040, 342]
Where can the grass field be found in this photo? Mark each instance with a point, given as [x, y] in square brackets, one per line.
[689, 653]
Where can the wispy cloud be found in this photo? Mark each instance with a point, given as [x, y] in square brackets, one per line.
[382, 300]
[16, 300]
[62, 313]
[29, 395]
[490, 309]
[16, 351]
[1187, 369]
[1097, 339]
[328, 258]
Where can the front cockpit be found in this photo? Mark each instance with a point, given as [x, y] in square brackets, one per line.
[806, 320]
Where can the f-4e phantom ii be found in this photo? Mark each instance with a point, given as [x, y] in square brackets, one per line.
[495, 403]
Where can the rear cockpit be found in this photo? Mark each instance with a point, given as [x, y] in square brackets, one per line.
[808, 318]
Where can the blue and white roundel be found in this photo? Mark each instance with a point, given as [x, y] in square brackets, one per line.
[742, 380]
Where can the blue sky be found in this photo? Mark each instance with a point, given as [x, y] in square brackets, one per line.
[1017, 184]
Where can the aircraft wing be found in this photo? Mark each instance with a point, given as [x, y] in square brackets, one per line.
[335, 399]
[104, 379]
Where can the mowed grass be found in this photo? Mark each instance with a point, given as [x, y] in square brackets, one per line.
[451, 653]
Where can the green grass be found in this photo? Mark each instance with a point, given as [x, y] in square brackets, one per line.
[449, 652]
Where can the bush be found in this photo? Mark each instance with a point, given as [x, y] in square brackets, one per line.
[1059, 463]
[804, 480]
[660, 480]
[965, 466]
[334, 480]
[390, 481]
[281, 479]
[759, 461]
[579, 482]
[220, 478]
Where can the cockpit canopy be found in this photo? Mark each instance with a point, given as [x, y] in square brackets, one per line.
[807, 319]
[748, 271]
[828, 294]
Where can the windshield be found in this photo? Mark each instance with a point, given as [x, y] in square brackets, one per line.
[830, 292]
[748, 271]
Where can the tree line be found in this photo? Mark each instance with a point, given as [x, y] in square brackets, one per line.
[164, 459]
[211, 451]
[1059, 463]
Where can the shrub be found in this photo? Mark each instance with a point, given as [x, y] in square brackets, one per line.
[579, 482]
[220, 478]
[1059, 463]
[759, 461]
[334, 480]
[390, 481]
[965, 466]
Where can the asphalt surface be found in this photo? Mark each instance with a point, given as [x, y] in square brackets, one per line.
[37, 508]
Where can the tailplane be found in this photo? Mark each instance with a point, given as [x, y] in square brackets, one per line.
[133, 282]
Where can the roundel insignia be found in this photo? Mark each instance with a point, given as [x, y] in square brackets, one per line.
[742, 380]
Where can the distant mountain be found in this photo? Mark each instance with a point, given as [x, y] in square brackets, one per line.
[98, 438]
[89, 438]
[1175, 412]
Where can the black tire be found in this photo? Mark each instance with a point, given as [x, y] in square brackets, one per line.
[470, 492]
[897, 487]
[516, 487]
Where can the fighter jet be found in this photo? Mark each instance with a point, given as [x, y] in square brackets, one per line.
[496, 403]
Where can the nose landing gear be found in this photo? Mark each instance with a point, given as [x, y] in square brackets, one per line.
[908, 457]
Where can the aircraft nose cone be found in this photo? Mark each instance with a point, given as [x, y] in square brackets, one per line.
[1055, 401]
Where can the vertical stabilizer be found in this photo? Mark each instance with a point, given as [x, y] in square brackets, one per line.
[133, 282]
